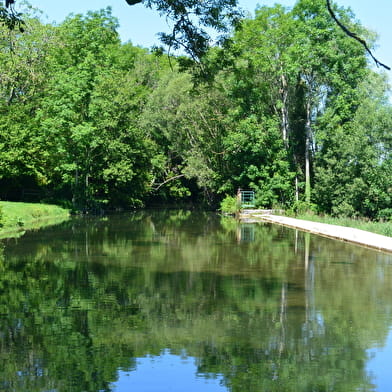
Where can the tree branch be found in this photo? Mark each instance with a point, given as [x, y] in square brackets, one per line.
[355, 36]
[133, 2]
[9, 17]
[168, 180]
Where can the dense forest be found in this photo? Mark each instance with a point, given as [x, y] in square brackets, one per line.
[288, 105]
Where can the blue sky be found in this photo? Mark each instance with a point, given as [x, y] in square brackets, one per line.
[141, 25]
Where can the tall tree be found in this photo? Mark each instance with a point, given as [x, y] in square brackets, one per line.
[331, 65]
[354, 160]
[268, 69]
[187, 125]
[123, 170]
[65, 119]
[293, 66]
[24, 69]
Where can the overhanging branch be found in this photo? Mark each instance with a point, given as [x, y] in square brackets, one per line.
[355, 36]
[168, 180]
[133, 2]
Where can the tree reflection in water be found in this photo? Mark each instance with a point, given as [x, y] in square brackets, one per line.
[83, 302]
[167, 372]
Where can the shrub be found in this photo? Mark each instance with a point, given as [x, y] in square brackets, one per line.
[230, 205]
[385, 214]
[302, 207]
[343, 210]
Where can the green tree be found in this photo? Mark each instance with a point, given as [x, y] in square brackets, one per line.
[326, 72]
[25, 64]
[65, 120]
[187, 125]
[103, 123]
[264, 83]
[353, 161]
[190, 19]
[294, 66]
[123, 171]
[89, 117]
[255, 158]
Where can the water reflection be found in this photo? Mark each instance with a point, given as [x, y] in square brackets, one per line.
[379, 365]
[82, 304]
[167, 372]
[245, 232]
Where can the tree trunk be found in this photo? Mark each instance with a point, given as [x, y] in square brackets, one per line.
[75, 189]
[308, 139]
[284, 111]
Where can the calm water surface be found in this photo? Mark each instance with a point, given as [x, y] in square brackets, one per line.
[178, 301]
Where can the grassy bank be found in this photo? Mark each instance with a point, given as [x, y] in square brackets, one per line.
[383, 228]
[17, 217]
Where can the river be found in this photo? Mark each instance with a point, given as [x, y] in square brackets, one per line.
[156, 301]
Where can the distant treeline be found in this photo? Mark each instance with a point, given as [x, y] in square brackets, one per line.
[288, 106]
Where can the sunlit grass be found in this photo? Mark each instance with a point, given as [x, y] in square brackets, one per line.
[23, 216]
[378, 227]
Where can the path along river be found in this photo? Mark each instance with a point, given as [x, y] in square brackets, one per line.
[349, 234]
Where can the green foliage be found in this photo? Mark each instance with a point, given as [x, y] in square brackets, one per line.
[11, 19]
[351, 173]
[302, 207]
[385, 214]
[255, 158]
[287, 107]
[230, 205]
[192, 19]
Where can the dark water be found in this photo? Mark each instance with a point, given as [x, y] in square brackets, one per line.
[180, 301]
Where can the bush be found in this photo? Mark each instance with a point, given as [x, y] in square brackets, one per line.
[302, 207]
[230, 205]
[385, 214]
[1, 217]
[343, 210]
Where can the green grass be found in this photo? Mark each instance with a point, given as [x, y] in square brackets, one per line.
[383, 228]
[17, 217]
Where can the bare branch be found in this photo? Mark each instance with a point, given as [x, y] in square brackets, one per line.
[355, 36]
[168, 180]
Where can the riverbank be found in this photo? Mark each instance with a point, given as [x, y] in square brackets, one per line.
[16, 218]
[349, 234]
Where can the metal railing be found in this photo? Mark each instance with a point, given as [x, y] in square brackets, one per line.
[247, 198]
